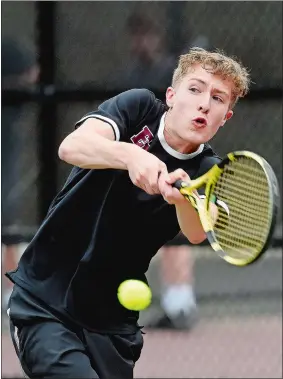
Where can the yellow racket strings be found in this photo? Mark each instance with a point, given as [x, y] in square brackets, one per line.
[244, 188]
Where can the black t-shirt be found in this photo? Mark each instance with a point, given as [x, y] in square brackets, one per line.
[101, 229]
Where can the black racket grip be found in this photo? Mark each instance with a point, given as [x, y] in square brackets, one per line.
[178, 184]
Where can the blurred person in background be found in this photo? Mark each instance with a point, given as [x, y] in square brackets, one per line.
[19, 70]
[151, 66]
[178, 301]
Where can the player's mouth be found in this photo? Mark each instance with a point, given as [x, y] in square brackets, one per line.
[200, 122]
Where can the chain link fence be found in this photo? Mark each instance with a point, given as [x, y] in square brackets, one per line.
[94, 41]
[239, 333]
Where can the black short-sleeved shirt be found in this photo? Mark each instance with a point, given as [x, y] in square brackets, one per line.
[101, 229]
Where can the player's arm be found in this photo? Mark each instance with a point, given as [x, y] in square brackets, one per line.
[101, 140]
[93, 146]
[189, 221]
[95, 143]
[188, 217]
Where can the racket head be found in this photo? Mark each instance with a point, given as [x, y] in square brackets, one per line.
[247, 185]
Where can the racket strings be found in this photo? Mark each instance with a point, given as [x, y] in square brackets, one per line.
[244, 187]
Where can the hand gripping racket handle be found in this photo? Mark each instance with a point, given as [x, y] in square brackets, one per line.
[179, 184]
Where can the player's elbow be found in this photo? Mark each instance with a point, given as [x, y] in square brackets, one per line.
[63, 151]
[66, 150]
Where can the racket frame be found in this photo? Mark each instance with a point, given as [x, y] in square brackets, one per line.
[209, 179]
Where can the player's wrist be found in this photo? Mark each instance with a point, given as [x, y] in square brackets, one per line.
[130, 153]
[181, 202]
[127, 153]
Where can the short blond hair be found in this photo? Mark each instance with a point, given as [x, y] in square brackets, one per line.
[217, 63]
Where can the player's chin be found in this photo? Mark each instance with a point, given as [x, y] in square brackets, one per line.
[198, 139]
[198, 136]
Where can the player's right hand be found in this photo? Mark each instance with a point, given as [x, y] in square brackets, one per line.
[144, 169]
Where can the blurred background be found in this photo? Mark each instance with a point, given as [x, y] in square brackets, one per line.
[59, 61]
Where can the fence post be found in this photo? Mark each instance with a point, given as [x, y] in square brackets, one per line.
[47, 120]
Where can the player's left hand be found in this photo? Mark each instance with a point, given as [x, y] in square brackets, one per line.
[170, 194]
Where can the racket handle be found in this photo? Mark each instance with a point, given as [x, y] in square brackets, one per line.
[178, 184]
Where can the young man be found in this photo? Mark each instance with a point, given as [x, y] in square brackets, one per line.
[117, 208]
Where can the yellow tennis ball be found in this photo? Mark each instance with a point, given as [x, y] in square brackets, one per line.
[134, 295]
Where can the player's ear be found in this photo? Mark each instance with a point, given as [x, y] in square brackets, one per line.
[229, 114]
[170, 96]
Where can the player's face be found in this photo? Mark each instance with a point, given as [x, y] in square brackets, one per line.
[199, 106]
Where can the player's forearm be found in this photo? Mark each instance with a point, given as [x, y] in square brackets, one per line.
[95, 152]
[190, 223]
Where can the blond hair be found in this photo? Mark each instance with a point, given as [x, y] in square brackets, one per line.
[217, 63]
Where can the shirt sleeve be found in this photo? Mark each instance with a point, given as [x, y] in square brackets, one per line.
[124, 111]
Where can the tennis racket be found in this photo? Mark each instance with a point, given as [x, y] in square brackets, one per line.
[247, 185]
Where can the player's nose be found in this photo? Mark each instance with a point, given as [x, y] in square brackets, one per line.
[204, 104]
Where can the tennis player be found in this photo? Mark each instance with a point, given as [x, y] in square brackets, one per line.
[116, 209]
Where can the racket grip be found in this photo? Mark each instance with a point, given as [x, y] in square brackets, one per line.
[178, 184]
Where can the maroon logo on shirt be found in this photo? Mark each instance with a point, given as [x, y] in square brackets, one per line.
[143, 138]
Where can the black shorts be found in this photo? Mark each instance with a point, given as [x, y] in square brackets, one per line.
[46, 347]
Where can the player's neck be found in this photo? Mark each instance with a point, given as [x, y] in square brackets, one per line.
[174, 140]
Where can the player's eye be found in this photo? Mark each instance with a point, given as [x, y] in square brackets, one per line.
[217, 98]
[194, 89]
